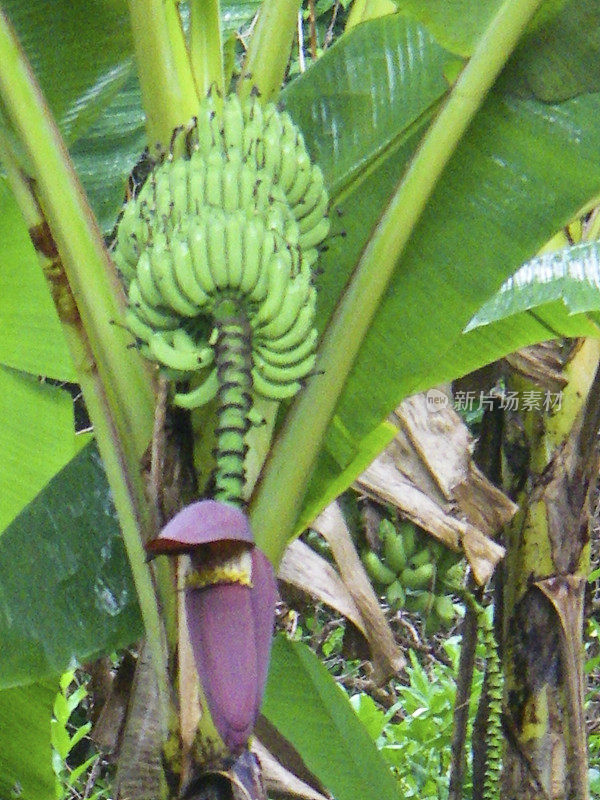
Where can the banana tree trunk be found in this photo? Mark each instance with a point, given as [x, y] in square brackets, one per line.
[544, 583]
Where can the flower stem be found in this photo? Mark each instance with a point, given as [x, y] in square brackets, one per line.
[234, 362]
[206, 45]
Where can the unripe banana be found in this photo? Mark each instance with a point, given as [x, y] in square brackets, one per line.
[185, 274]
[197, 187]
[290, 373]
[409, 536]
[395, 595]
[298, 294]
[231, 180]
[214, 181]
[201, 395]
[184, 361]
[181, 340]
[233, 123]
[393, 551]
[309, 221]
[418, 578]
[454, 576]
[289, 166]
[301, 182]
[145, 281]
[296, 334]
[291, 356]
[250, 193]
[420, 602]
[141, 330]
[148, 314]
[197, 241]
[273, 123]
[314, 236]
[203, 131]
[421, 557]
[252, 135]
[272, 390]
[268, 253]
[253, 237]
[129, 235]
[253, 114]
[163, 272]
[279, 270]
[267, 155]
[290, 135]
[214, 238]
[234, 254]
[376, 569]
[313, 195]
[444, 608]
[176, 185]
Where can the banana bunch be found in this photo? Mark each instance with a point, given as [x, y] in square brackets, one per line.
[415, 572]
[229, 232]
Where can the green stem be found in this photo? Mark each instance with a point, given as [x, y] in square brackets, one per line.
[116, 384]
[279, 494]
[234, 362]
[206, 45]
[168, 90]
[494, 739]
[269, 52]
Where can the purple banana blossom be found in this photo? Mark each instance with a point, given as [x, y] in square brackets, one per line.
[230, 621]
[202, 523]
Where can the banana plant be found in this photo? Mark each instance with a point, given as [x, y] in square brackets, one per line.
[449, 153]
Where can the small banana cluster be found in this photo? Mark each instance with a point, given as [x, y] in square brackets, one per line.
[416, 573]
[230, 231]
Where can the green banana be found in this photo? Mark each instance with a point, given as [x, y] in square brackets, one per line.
[409, 536]
[393, 551]
[395, 595]
[420, 602]
[444, 608]
[421, 557]
[376, 569]
[418, 578]
[454, 576]
[215, 253]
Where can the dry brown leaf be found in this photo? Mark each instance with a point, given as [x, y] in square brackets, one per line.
[279, 781]
[308, 571]
[429, 474]
[386, 655]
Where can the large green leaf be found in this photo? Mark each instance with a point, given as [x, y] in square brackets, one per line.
[80, 53]
[570, 276]
[303, 701]
[457, 24]
[368, 94]
[32, 339]
[66, 590]
[558, 59]
[236, 14]
[561, 58]
[499, 200]
[25, 754]
[107, 152]
[37, 438]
